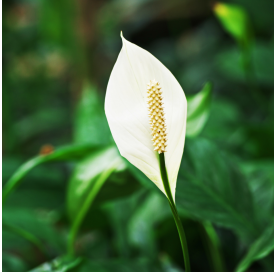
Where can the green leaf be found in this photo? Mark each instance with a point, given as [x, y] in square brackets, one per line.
[198, 110]
[91, 125]
[211, 187]
[260, 177]
[235, 21]
[258, 250]
[62, 154]
[86, 174]
[60, 264]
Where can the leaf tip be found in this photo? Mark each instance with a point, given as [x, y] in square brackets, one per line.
[220, 9]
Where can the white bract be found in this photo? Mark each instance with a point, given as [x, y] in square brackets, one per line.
[146, 109]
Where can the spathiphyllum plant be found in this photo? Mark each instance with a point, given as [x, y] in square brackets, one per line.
[146, 110]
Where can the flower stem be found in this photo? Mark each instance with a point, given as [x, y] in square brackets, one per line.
[174, 212]
[86, 205]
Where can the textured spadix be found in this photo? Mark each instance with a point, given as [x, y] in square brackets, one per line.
[127, 111]
[156, 116]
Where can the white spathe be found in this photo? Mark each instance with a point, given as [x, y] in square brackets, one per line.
[127, 112]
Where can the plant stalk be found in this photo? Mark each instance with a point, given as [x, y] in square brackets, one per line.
[212, 244]
[176, 217]
[87, 203]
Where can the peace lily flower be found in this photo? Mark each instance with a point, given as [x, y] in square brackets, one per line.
[146, 110]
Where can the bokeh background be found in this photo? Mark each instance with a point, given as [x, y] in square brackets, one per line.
[57, 146]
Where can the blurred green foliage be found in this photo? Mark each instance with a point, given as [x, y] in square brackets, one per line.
[71, 202]
[235, 21]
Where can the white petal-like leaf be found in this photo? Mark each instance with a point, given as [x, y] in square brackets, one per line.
[127, 112]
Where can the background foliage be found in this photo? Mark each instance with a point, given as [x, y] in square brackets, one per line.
[71, 203]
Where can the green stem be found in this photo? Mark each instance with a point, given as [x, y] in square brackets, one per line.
[213, 247]
[174, 212]
[87, 203]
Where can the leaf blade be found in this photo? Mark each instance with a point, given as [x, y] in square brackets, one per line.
[62, 154]
[198, 110]
[209, 186]
[258, 250]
